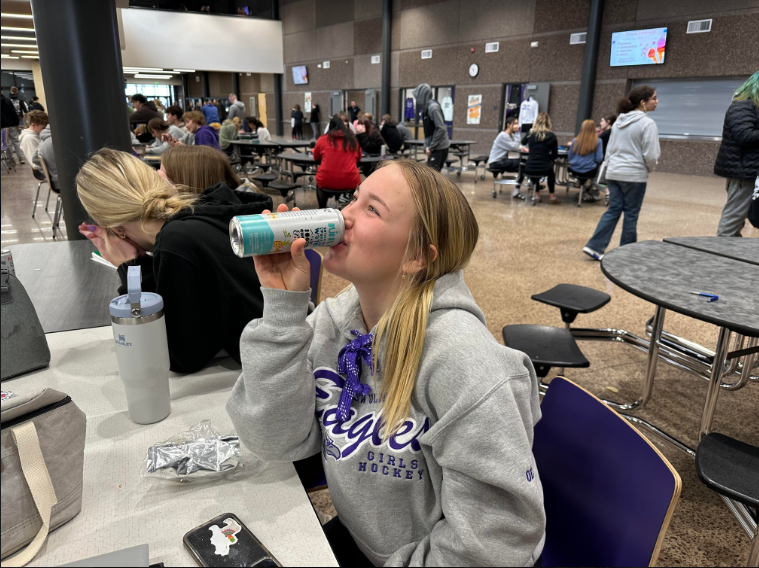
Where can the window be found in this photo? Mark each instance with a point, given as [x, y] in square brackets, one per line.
[692, 107]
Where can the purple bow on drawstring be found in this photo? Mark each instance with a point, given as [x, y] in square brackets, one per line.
[349, 363]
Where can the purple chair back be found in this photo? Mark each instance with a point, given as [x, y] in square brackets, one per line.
[315, 258]
[609, 493]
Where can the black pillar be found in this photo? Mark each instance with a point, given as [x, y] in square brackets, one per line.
[277, 79]
[206, 88]
[84, 88]
[185, 92]
[588, 80]
[236, 84]
[387, 22]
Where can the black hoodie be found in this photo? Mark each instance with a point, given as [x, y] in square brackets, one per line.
[209, 294]
[9, 116]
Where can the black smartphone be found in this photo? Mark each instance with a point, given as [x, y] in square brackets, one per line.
[226, 541]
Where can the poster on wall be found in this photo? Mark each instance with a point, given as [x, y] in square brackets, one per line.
[307, 103]
[474, 109]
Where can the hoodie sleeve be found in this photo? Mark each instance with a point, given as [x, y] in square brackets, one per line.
[600, 152]
[441, 133]
[650, 145]
[492, 499]
[273, 402]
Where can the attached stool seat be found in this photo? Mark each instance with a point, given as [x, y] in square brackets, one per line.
[731, 468]
[449, 164]
[572, 300]
[510, 180]
[545, 346]
[266, 179]
[284, 189]
[478, 161]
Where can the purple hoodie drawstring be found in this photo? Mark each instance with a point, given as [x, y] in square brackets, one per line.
[349, 362]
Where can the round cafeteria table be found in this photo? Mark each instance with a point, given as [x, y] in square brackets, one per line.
[666, 274]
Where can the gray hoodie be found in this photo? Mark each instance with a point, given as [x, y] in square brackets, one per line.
[633, 148]
[457, 485]
[45, 149]
[435, 130]
[237, 109]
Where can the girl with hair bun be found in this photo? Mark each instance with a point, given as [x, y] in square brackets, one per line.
[632, 154]
[209, 294]
[422, 421]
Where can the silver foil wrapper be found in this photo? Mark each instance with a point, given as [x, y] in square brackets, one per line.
[200, 453]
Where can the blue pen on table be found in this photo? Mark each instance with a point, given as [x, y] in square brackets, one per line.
[712, 297]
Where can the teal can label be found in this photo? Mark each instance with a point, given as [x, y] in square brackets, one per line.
[272, 233]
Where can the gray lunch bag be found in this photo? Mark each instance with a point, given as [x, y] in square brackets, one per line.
[42, 469]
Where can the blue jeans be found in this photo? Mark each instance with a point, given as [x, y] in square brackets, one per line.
[626, 197]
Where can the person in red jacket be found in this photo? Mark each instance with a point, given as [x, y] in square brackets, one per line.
[339, 152]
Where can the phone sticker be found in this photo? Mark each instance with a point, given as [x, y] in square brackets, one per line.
[223, 538]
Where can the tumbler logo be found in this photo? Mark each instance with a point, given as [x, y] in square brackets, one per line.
[122, 341]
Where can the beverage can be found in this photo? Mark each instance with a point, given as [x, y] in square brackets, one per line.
[271, 233]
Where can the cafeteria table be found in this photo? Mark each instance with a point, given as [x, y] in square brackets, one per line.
[670, 276]
[68, 289]
[273, 146]
[120, 508]
[738, 248]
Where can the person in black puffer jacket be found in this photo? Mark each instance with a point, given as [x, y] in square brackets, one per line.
[738, 157]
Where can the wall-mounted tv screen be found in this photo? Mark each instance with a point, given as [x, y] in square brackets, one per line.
[300, 75]
[638, 47]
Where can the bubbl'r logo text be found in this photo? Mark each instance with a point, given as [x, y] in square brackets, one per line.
[530, 475]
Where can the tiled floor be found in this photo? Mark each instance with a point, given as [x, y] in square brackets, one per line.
[524, 250]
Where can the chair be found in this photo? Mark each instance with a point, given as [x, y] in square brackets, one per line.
[59, 203]
[284, 188]
[266, 179]
[315, 258]
[477, 160]
[572, 300]
[336, 193]
[731, 468]
[7, 159]
[546, 347]
[609, 493]
[40, 177]
[579, 180]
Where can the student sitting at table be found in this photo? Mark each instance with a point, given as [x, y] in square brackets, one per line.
[339, 152]
[507, 141]
[544, 149]
[423, 421]
[174, 117]
[211, 112]
[162, 131]
[370, 140]
[209, 293]
[257, 127]
[202, 135]
[586, 153]
[227, 133]
[390, 134]
[195, 168]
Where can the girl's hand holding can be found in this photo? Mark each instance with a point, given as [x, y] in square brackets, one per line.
[288, 270]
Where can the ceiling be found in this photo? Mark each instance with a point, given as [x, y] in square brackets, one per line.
[17, 30]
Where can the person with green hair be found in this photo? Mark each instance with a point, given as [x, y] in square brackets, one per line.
[227, 133]
[738, 156]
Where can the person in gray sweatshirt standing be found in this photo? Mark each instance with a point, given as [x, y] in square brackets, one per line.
[236, 108]
[436, 141]
[632, 154]
[423, 422]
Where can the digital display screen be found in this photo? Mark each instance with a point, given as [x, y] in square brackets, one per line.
[300, 75]
[638, 47]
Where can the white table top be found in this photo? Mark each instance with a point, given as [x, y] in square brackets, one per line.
[120, 509]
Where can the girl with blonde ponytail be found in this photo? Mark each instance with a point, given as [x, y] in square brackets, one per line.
[208, 295]
[422, 422]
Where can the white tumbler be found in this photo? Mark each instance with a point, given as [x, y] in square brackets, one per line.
[142, 350]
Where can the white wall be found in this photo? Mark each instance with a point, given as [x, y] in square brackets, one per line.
[184, 40]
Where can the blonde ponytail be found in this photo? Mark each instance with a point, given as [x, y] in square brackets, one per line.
[116, 188]
[444, 220]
